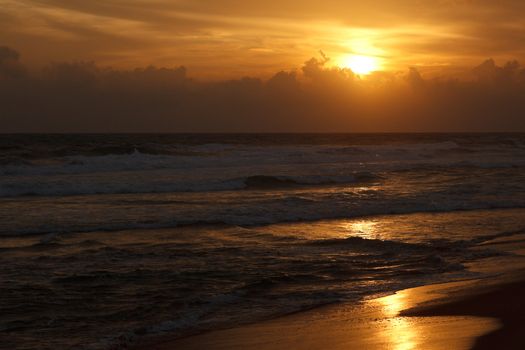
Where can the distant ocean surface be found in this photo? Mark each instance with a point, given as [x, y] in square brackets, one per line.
[107, 239]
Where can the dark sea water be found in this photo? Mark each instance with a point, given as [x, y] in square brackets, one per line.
[108, 239]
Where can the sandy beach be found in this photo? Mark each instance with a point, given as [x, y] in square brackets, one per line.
[476, 314]
[501, 301]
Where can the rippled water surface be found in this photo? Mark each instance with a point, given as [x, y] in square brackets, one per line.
[108, 238]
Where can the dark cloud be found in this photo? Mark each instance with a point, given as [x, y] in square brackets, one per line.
[83, 97]
[509, 74]
[415, 80]
[7, 54]
[10, 67]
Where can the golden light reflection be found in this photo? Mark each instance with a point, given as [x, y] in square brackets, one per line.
[363, 228]
[429, 333]
[393, 304]
[401, 333]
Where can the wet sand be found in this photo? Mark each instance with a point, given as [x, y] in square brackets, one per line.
[479, 314]
[502, 301]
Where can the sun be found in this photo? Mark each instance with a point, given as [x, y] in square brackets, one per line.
[359, 64]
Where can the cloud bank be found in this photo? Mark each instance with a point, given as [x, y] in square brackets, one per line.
[84, 97]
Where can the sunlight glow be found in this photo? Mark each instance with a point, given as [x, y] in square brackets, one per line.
[359, 64]
[401, 333]
[364, 228]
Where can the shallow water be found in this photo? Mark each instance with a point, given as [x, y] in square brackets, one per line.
[105, 239]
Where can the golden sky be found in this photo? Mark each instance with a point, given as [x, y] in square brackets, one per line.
[231, 38]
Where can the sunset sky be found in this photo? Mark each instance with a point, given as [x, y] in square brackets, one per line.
[229, 38]
[275, 65]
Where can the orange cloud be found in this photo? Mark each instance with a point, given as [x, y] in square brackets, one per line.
[233, 38]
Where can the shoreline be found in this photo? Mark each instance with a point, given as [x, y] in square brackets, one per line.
[472, 314]
[502, 301]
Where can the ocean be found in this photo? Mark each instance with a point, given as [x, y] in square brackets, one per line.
[109, 239]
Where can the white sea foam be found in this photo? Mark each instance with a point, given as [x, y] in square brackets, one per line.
[220, 167]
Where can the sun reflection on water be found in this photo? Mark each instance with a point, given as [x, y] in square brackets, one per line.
[401, 333]
[363, 228]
